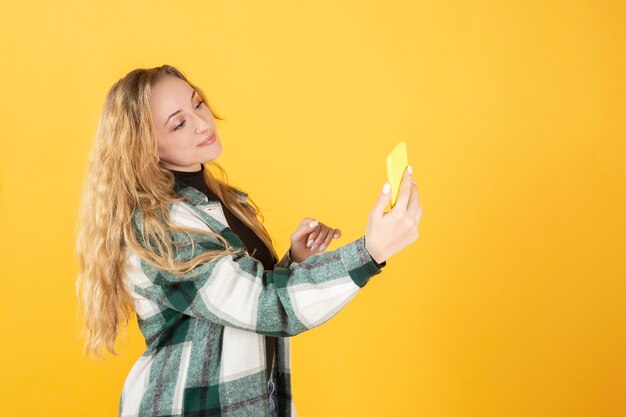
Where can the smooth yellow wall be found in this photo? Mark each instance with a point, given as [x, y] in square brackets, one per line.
[512, 301]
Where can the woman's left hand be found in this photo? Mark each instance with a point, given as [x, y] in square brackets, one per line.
[311, 237]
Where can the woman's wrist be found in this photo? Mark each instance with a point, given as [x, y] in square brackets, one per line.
[373, 252]
[292, 258]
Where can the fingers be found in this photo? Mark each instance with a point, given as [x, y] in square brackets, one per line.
[305, 226]
[318, 235]
[325, 236]
[404, 193]
[414, 209]
[323, 239]
[332, 234]
[308, 223]
[312, 238]
[382, 202]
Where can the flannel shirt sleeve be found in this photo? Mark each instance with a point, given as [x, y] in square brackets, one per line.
[286, 261]
[235, 290]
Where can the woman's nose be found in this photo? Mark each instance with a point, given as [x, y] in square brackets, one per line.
[201, 124]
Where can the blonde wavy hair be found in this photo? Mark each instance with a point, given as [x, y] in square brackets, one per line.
[122, 176]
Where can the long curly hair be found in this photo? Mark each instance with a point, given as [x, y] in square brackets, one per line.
[123, 175]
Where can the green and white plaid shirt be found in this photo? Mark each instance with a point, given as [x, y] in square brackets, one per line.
[204, 331]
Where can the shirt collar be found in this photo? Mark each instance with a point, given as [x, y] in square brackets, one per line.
[197, 198]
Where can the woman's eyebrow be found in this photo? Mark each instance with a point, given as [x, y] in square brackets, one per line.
[179, 110]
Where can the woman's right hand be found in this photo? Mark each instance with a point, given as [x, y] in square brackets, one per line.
[389, 232]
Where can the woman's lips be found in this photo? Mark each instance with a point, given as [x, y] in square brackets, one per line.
[208, 140]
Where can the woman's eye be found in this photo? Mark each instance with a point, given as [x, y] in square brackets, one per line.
[183, 122]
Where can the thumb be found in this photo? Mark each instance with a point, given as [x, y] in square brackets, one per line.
[383, 200]
[306, 225]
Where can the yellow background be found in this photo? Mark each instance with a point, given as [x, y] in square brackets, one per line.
[512, 302]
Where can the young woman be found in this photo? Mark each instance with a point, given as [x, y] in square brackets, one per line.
[161, 236]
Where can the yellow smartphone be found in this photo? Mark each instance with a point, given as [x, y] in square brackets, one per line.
[397, 162]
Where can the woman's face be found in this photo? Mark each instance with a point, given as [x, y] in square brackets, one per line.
[183, 122]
